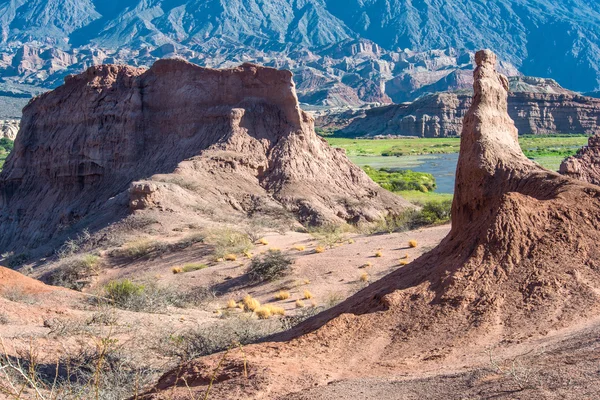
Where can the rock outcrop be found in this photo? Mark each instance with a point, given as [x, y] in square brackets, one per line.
[537, 106]
[521, 260]
[585, 165]
[179, 138]
[9, 128]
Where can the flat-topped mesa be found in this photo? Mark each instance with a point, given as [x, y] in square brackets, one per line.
[175, 137]
[585, 165]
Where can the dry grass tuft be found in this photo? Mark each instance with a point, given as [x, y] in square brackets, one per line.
[250, 303]
[404, 262]
[320, 249]
[299, 304]
[412, 243]
[177, 270]
[248, 255]
[364, 277]
[262, 241]
[405, 257]
[378, 254]
[194, 267]
[308, 295]
[282, 295]
[275, 310]
[299, 247]
[350, 241]
[263, 313]
[231, 303]
[230, 257]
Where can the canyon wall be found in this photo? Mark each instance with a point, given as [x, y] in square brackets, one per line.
[441, 115]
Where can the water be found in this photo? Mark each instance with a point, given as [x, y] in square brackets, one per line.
[441, 166]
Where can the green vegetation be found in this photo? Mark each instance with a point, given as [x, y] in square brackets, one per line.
[6, 147]
[534, 146]
[396, 180]
[396, 147]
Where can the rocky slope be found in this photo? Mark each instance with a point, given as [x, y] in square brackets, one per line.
[178, 138]
[585, 165]
[520, 261]
[343, 52]
[537, 106]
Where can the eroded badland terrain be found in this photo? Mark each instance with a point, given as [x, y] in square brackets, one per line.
[181, 232]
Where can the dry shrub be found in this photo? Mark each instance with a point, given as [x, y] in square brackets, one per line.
[177, 270]
[275, 310]
[74, 272]
[412, 243]
[299, 247]
[231, 303]
[263, 312]
[299, 304]
[282, 295]
[230, 257]
[320, 249]
[364, 277]
[307, 295]
[378, 254]
[227, 241]
[270, 266]
[250, 303]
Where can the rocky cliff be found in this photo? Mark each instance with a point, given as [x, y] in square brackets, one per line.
[179, 138]
[585, 165]
[537, 106]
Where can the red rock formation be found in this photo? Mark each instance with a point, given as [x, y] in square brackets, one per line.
[585, 165]
[521, 260]
[235, 140]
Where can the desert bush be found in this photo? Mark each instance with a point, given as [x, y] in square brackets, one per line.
[364, 277]
[412, 243]
[189, 240]
[73, 246]
[329, 235]
[99, 372]
[202, 341]
[123, 292]
[18, 295]
[299, 304]
[282, 295]
[272, 265]
[307, 295]
[138, 248]
[228, 241]
[74, 272]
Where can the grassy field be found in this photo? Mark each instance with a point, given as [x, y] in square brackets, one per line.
[547, 150]
[532, 145]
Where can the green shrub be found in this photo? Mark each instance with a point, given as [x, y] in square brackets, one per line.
[436, 212]
[274, 264]
[123, 292]
[396, 180]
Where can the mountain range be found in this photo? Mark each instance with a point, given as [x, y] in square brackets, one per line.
[343, 52]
